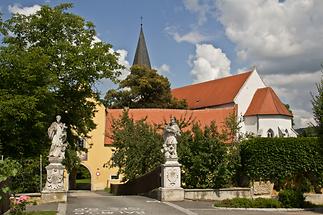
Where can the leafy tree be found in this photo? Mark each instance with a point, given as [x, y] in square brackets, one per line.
[137, 147]
[231, 129]
[49, 63]
[309, 131]
[207, 161]
[317, 102]
[143, 88]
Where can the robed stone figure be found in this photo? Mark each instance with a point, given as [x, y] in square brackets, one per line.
[57, 135]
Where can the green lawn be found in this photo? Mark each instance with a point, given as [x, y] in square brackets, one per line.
[83, 181]
[41, 213]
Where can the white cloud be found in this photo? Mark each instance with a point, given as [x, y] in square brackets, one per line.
[190, 37]
[17, 8]
[199, 7]
[295, 89]
[303, 118]
[209, 63]
[123, 61]
[277, 36]
[163, 69]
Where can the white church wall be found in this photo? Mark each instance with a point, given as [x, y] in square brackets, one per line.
[267, 122]
[245, 95]
[250, 124]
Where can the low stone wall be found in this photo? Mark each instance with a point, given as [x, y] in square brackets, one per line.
[314, 198]
[217, 194]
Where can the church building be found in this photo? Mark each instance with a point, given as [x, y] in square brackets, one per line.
[257, 107]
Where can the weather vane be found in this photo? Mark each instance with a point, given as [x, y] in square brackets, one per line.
[141, 18]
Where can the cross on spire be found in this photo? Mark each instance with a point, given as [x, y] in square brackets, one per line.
[141, 18]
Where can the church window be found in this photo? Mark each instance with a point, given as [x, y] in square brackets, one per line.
[270, 133]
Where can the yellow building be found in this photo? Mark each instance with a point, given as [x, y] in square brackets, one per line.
[98, 154]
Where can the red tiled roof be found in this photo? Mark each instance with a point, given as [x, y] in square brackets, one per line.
[266, 102]
[160, 116]
[211, 93]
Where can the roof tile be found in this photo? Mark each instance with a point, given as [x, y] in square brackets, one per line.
[160, 116]
[212, 93]
[266, 102]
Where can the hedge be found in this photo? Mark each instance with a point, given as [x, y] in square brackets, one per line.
[288, 162]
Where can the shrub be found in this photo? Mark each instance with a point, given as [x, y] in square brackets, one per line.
[266, 203]
[28, 178]
[287, 162]
[249, 203]
[291, 198]
[234, 203]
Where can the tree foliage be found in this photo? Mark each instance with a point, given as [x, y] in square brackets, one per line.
[49, 63]
[8, 168]
[137, 147]
[143, 88]
[208, 162]
[317, 103]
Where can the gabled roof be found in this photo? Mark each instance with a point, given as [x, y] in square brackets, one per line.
[160, 116]
[141, 55]
[211, 93]
[266, 102]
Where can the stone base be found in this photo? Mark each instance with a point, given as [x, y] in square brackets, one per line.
[55, 178]
[47, 197]
[171, 175]
[170, 194]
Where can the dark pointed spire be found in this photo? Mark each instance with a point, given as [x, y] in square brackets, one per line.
[141, 56]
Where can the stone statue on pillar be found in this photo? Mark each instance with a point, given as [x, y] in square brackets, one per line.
[54, 189]
[171, 170]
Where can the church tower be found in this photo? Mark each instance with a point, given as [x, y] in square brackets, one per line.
[141, 56]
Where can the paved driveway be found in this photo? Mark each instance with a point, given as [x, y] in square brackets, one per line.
[99, 203]
[95, 204]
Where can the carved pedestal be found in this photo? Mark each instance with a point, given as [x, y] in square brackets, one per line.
[54, 190]
[171, 182]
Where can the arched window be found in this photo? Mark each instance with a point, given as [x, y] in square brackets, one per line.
[286, 132]
[270, 133]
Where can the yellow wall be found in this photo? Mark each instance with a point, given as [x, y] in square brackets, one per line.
[98, 154]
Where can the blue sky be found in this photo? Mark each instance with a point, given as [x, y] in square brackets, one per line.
[191, 41]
